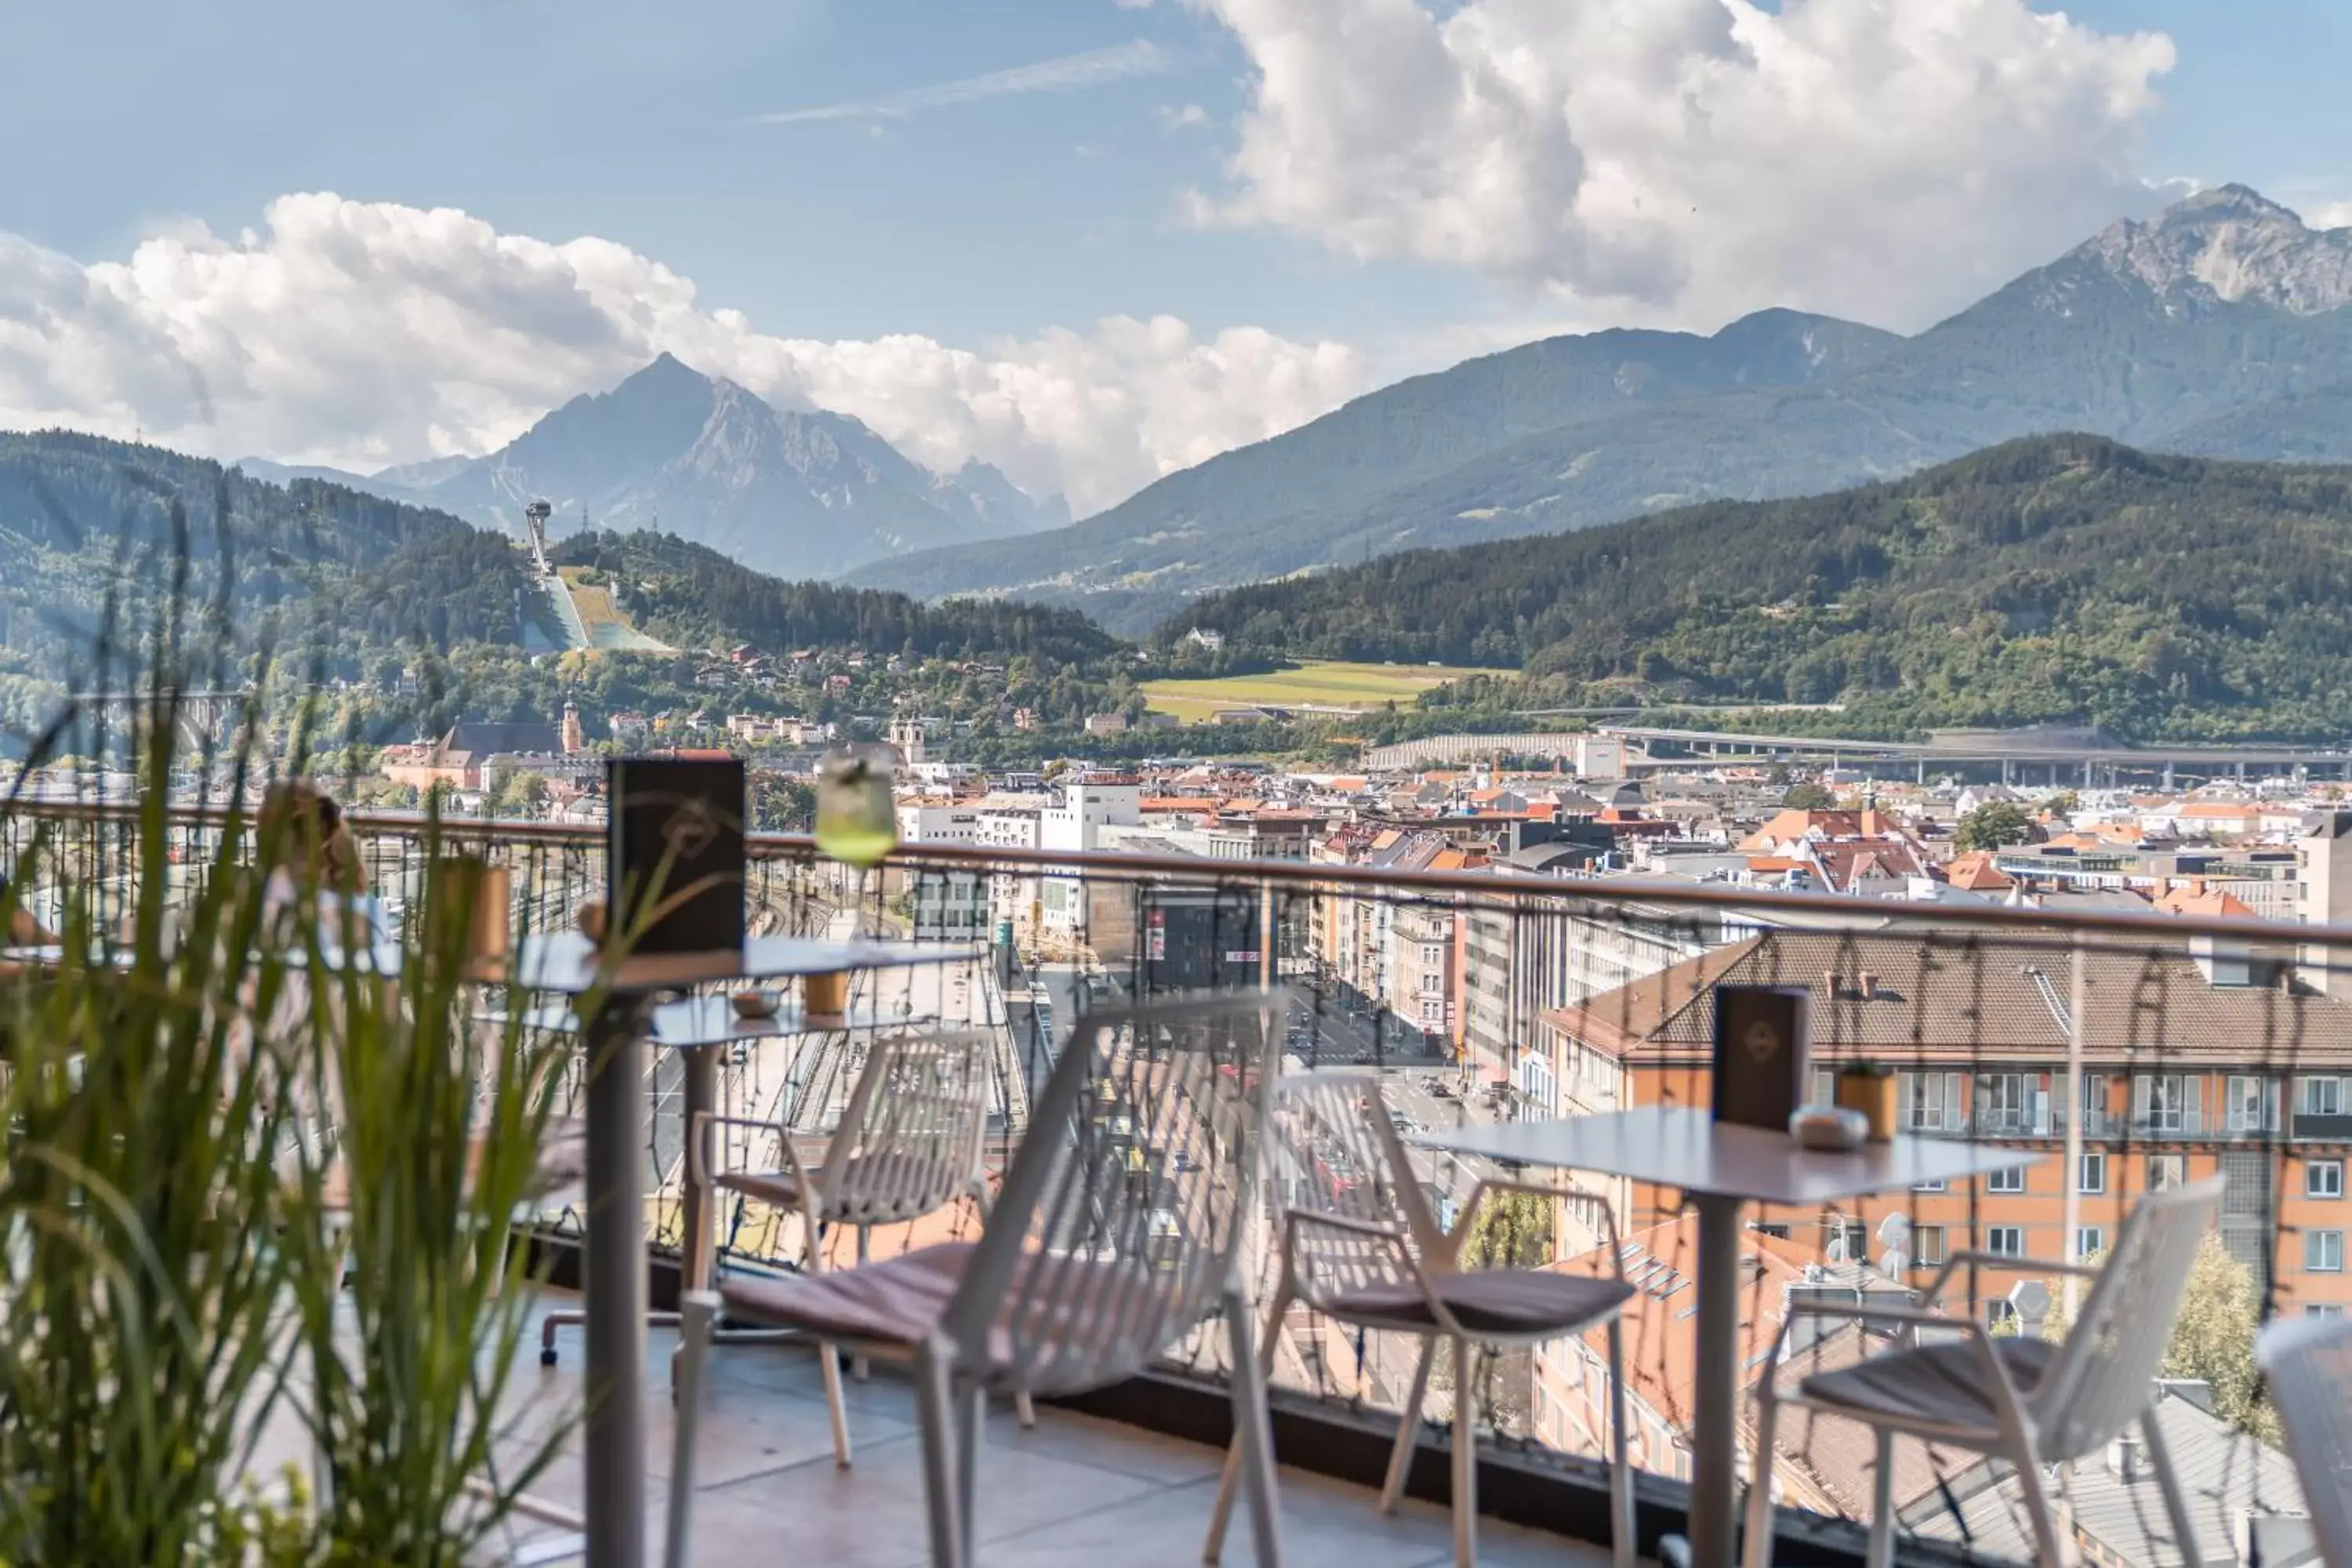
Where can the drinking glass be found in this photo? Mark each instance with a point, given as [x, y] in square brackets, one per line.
[857, 816]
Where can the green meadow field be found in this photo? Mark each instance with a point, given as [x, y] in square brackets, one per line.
[1324, 683]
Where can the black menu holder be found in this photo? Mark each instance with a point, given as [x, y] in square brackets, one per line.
[1760, 1052]
[674, 855]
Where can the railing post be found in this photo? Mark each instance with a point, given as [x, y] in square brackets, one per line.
[2070, 1199]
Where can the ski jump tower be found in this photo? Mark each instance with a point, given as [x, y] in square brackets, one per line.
[534, 517]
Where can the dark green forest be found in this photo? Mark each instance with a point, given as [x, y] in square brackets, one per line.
[692, 596]
[2064, 578]
[311, 569]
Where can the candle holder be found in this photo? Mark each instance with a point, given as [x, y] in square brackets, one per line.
[1870, 1088]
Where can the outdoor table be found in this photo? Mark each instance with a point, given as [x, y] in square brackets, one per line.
[1720, 1167]
[614, 1276]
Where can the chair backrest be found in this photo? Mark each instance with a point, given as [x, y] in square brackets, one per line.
[2308, 1362]
[910, 1140]
[1333, 1154]
[1122, 1217]
[2099, 1380]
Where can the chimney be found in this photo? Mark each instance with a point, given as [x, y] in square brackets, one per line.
[2124, 1458]
[1869, 983]
[1830, 985]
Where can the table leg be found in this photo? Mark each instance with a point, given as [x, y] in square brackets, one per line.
[614, 1277]
[1715, 1437]
[701, 1099]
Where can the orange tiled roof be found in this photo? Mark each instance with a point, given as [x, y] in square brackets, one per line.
[2192, 899]
[1974, 872]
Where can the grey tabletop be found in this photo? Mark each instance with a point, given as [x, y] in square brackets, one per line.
[567, 962]
[1688, 1149]
[704, 1021]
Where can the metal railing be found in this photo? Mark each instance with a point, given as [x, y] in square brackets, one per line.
[2035, 999]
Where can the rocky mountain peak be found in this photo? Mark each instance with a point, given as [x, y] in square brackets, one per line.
[2232, 245]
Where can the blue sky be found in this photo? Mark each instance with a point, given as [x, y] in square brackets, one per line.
[628, 122]
[1091, 182]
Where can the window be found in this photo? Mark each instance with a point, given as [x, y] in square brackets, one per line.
[1929, 1241]
[1433, 1012]
[1824, 1086]
[2323, 1309]
[2323, 1251]
[1432, 955]
[2089, 1240]
[2006, 1240]
[1930, 1100]
[2319, 1096]
[1928, 1187]
[2097, 1101]
[2011, 1180]
[2249, 1103]
[2160, 1102]
[2166, 1170]
[1998, 1313]
[2092, 1175]
[1432, 983]
[2323, 1178]
[1847, 1243]
[2004, 1102]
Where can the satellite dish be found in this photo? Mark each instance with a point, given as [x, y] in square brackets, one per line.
[1895, 1230]
[1837, 1245]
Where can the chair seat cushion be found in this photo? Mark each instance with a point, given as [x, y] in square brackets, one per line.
[1488, 1302]
[1939, 1384]
[874, 1206]
[782, 1188]
[900, 1301]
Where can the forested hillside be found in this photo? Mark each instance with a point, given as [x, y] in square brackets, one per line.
[309, 568]
[2064, 577]
[692, 595]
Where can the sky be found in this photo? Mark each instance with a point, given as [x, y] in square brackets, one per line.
[1091, 241]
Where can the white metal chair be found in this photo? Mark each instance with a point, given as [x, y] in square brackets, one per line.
[2308, 1363]
[1362, 1245]
[2029, 1401]
[1117, 1231]
[910, 1142]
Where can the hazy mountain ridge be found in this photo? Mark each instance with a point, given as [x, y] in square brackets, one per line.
[2186, 325]
[795, 493]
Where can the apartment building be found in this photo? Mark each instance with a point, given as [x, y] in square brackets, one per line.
[2195, 1060]
[1522, 962]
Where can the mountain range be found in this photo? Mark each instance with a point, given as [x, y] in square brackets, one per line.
[2219, 327]
[792, 493]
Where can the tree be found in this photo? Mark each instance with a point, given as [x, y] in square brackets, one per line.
[1513, 1230]
[781, 803]
[519, 795]
[1995, 825]
[1808, 798]
[2212, 1340]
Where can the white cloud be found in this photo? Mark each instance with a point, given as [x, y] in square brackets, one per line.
[1064, 73]
[2329, 215]
[1691, 159]
[1175, 118]
[363, 334]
